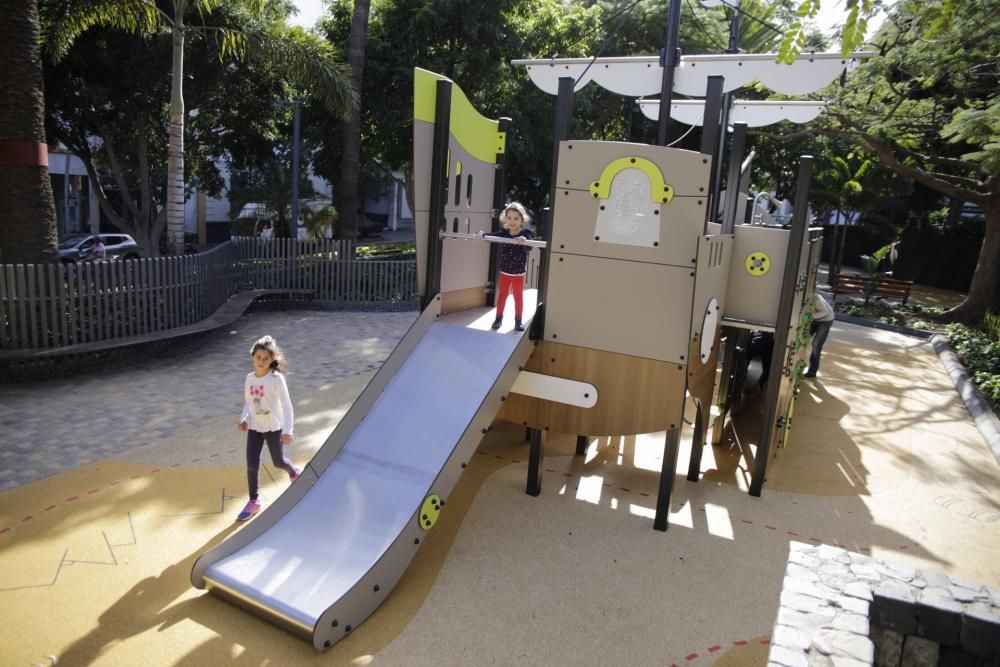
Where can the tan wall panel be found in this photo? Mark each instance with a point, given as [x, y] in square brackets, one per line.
[581, 163]
[459, 300]
[423, 141]
[632, 308]
[680, 227]
[634, 395]
[711, 282]
[482, 183]
[755, 298]
[465, 263]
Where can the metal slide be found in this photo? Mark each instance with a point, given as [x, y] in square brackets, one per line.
[327, 552]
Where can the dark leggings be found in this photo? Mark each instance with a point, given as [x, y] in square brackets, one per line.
[255, 444]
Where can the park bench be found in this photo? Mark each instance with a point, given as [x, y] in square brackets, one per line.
[886, 287]
[226, 314]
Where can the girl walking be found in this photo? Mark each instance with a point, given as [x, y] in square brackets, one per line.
[267, 417]
[512, 261]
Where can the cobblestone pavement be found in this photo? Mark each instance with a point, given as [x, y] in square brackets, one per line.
[57, 425]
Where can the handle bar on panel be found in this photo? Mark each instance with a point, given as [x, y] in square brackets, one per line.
[492, 239]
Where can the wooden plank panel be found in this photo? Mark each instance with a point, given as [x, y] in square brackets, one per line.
[6, 306]
[56, 320]
[36, 295]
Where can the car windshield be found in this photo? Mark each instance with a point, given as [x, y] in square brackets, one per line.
[73, 241]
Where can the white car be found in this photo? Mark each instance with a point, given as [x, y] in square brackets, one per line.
[80, 247]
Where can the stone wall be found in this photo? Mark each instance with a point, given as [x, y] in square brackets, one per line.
[845, 609]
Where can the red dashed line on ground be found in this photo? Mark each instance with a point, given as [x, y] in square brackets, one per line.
[792, 533]
[713, 649]
[4, 530]
[72, 498]
[115, 483]
[748, 521]
[770, 527]
[49, 508]
[28, 518]
[92, 491]
[691, 656]
[154, 470]
[740, 642]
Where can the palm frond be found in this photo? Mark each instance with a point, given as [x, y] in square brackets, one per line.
[306, 59]
[62, 21]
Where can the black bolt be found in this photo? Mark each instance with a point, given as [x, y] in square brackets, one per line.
[597, 238]
[656, 244]
[424, 517]
[553, 360]
[442, 503]
[484, 430]
[376, 588]
[586, 395]
[555, 336]
[632, 160]
[560, 259]
[326, 644]
[656, 212]
[335, 624]
[347, 628]
[699, 202]
[561, 246]
[464, 465]
[503, 398]
[416, 540]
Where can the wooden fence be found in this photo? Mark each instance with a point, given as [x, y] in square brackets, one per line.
[53, 305]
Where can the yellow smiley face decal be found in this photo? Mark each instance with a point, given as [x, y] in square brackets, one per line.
[758, 264]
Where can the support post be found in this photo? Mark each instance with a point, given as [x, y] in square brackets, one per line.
[536, 453]
[783, 323]
[581, 444]
[668, 61]
[733, 178]
[439, 189]
[697, 444]
[711, 129]
[564, 113]
[660, 520]
[499, 199]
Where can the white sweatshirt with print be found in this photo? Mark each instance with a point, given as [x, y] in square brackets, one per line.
[267, 406]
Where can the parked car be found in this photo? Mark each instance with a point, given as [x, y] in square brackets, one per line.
[80, 247]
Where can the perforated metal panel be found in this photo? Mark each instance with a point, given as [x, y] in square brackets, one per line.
[628, 217]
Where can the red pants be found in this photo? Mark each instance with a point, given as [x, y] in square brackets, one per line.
[510, 284]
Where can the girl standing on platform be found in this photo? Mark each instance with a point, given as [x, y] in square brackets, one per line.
[267, 417]
[512, 261]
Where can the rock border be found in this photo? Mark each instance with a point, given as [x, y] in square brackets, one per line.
[834, 601]
[981, 410]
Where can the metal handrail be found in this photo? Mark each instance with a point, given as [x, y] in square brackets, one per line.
[492, 239]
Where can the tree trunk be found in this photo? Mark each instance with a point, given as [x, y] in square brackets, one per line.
[984, 292]
[350, 161]
[175, 149]
[27, 210]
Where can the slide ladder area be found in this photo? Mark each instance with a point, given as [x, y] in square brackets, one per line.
[328, 551]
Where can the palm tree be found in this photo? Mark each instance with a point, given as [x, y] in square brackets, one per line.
[307, 59]
[27, 211]
[351, 143]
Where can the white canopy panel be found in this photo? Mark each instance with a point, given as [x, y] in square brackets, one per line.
[639, 76]
[754, 113]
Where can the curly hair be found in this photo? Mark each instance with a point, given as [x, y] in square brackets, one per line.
[516, 206]
[268, 344]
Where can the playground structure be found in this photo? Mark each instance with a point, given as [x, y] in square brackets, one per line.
[633, 238]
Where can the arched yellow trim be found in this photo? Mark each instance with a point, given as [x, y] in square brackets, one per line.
[474, 132]
[660, 192]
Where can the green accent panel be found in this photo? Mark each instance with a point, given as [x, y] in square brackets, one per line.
[501, 143]
[473, 131]
[660, 192]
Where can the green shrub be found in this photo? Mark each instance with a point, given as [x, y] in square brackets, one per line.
[979, 352]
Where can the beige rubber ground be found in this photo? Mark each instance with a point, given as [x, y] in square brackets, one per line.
[95, 563]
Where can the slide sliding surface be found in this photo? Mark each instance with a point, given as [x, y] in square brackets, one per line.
[331, 558]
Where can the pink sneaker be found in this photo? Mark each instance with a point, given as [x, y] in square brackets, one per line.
[294, 475]
[251, 508]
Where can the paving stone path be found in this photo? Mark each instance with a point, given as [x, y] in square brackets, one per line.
[57, 425]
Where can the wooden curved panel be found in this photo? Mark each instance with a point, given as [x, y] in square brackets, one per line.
[636, 395]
